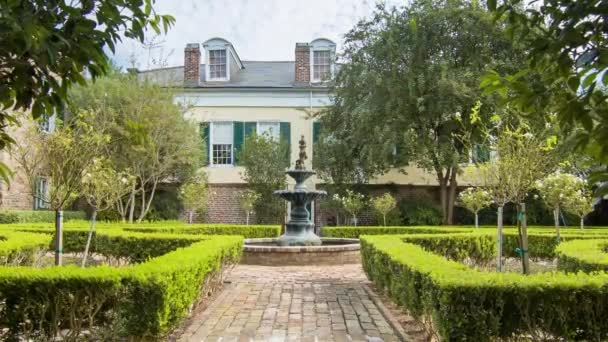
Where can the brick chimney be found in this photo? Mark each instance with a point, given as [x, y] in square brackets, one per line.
[302, 63]
[192, 65]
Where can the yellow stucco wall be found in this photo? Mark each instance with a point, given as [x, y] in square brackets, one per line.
[300, 125]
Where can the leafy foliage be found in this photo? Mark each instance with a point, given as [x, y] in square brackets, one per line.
[264, 162]
[149, 135]
[475, 199]
[248, 200]
[352, 202]
[50, 45]
[408, 75]
[194, 194]
[21, 216]
[384, 204]
[420, 211]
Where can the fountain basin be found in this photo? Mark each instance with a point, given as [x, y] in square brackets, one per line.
[332, 251]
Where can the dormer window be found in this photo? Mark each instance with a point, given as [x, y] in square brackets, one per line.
[217, 64]
[321, 67]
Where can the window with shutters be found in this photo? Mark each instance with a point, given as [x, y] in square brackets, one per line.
[222, 138]
[47, 123]
[271, 129]
[42, 191]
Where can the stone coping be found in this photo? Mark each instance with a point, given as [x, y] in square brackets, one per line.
[348, 245]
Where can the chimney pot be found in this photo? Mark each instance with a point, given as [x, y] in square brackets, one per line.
[302, 63]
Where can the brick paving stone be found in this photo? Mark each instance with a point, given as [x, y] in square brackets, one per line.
[293, 303]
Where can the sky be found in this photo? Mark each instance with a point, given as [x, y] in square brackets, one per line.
[264, 30]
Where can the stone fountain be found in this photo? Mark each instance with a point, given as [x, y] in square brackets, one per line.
[300, 231]
[299, 245]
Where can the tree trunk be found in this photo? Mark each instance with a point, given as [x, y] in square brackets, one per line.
[476, 220]
[190, 212]
[499, 255]
[384, 219]
[58, 236]
[355, 220]
[582, 222]
[132, 204]
[453, 187]
[525, 257]
[247, 218]
[146, 207]
[91, 230]
[443, 199]
[556, 220]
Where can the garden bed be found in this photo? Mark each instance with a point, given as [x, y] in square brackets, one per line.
[167, 277]
[426, 276]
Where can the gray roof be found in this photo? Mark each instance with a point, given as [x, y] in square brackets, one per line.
[256, 74]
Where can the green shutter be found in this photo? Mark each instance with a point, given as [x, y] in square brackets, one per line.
[204, 131]
[285, 130]
[316, 131]
[481, 154]
[238, 135]
[250, 128]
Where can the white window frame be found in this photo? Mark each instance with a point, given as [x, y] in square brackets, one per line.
[208, 65]
[211, 124]
[312, 64]
[259, 133]
[39, 202]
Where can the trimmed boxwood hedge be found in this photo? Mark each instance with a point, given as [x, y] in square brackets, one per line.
[17, 248]
[141, 301]
[172, 227]
[583, 255]
[465, 304]
[16, 216]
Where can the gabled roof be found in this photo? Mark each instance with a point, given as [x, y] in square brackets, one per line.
[256, 74]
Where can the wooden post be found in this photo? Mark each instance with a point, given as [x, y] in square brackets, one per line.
[58, 236]
[499, 256]
[524, 240]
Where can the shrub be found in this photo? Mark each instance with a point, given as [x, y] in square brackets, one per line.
[20, 216]
[355, 232]
[467, 304]
[583, 255]
[420, 212]
[142, 301]
[20, 249]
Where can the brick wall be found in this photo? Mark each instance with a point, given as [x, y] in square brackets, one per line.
[367, 216]
[192, 65]
[15, 195]
[302, 63]
[224, 205]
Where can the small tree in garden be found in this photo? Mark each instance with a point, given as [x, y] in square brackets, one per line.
[102, 187]
[69, 151]
[384, 204]
[475, 199]
[264, 160]
[352, 202]
[581, 204]
[248, 200]
[556, 189]
[523, 158]
[194, 194]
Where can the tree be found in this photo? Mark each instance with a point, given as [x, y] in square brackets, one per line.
[384, 204]
[47, 46]
[194, 194]
[564, 69]
[523, 158]
[352, 202]
[102, 186]
[69, 151]
[248, 200]
[408, 75]
[475, 199]
[264, 161]
[149, 135]
[581, 205]
[556, 190]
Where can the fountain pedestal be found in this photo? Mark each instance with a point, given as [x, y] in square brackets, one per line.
[300, 231]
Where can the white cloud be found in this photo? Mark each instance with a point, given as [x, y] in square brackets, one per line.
[258, 29]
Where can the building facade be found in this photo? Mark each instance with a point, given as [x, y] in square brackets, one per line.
[231, 98]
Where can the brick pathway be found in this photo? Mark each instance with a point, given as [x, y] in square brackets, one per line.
[312, 303]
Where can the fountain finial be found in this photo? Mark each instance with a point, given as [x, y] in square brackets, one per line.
[300, 162]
